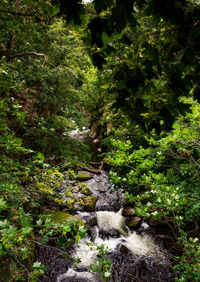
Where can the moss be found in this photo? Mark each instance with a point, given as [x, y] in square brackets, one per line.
[86, 190]
[83, 176]
[88, 203]
[60, 217]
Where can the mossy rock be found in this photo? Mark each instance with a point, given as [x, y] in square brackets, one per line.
[86, 190]
[83, 176]
[61, 217]
[88, 203]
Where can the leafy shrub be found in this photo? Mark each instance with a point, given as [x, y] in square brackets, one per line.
[103, 265]
[163, 179]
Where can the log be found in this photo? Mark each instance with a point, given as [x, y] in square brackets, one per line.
[95, 171]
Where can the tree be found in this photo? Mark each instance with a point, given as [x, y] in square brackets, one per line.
[159, 61]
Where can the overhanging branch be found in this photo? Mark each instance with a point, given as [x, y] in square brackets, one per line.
[30, 54]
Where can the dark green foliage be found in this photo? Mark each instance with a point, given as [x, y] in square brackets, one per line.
[147, 54]
[162, 180]
[72, 9]
[154, 56]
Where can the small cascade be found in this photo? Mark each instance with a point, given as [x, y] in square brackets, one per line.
[79, 135]
[127, 248]
[110, 220]
[135, 254]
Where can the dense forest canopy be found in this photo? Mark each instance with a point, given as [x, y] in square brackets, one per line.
[127, 70]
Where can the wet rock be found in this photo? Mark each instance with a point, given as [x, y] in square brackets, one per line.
[88, 203]
[89, 217]
[107, 234]
[123, 250]
[61, 217]
[53, 261]
[126, 267]
[86, 190]
[92, 221]
[133, 221]
[128, 212]
[83, 176]
[110, 201]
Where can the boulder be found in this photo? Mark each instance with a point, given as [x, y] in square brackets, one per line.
[128, 212]
[88, 203]
[133, 221]
[92, 221]
[61, 217]
[154, 222]
[83, 176]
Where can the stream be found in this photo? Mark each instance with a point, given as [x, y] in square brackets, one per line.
[138, 252]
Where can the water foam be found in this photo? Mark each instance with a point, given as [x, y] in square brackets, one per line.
[111, 220]
[141, 245]
[86, 251]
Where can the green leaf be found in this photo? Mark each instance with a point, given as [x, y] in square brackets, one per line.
[67, 228]
[3, 204]
[37, 264]
[4, 223]
[27, 230]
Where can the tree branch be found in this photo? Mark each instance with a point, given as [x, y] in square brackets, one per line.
[34, 54]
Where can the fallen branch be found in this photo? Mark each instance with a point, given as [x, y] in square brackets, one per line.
[89, 169]
[51, 247]
[101, 166]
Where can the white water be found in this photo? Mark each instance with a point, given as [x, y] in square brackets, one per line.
[77, 134]
[86, 251]
[140, 245]
[111, 220]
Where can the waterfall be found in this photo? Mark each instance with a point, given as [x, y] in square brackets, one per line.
[134, 252]
[140, 246]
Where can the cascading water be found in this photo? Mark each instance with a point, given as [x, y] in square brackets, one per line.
[135, 255]
[139, 248]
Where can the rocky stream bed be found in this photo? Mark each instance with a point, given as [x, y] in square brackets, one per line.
[139, 251]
